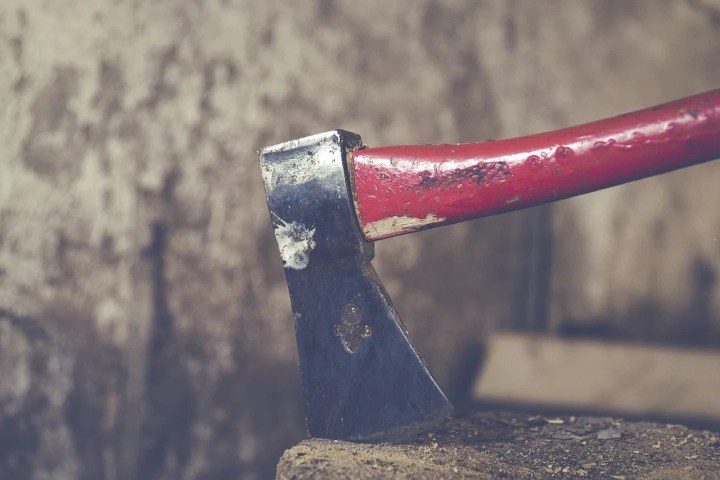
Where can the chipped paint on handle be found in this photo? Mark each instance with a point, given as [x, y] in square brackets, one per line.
[402, 189]
[394, 225]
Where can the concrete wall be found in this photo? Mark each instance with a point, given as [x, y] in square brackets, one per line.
[145, 329]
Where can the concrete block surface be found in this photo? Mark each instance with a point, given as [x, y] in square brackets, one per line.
[505, 445]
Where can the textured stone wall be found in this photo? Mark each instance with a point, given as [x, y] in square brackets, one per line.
[145, 329]
[641, 261]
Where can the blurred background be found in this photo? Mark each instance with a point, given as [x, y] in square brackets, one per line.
[145, 327]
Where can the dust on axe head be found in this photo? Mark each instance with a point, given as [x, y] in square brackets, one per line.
[361, 376]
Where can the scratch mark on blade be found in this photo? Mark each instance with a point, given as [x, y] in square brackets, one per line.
[295, 242]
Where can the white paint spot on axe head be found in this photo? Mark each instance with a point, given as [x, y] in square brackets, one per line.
[295, 242]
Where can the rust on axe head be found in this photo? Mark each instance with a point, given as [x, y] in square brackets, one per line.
[361, 376]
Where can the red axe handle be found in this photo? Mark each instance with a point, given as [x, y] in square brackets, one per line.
[402, 189]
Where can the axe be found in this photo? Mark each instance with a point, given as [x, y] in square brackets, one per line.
[330, 197]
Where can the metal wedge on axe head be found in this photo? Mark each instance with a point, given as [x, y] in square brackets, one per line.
[330, 197]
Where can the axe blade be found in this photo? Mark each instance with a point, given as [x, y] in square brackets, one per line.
[361, 377]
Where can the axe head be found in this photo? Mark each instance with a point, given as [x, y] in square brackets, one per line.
[361, 377]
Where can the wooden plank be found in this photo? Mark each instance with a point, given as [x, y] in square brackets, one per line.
[593, 375]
